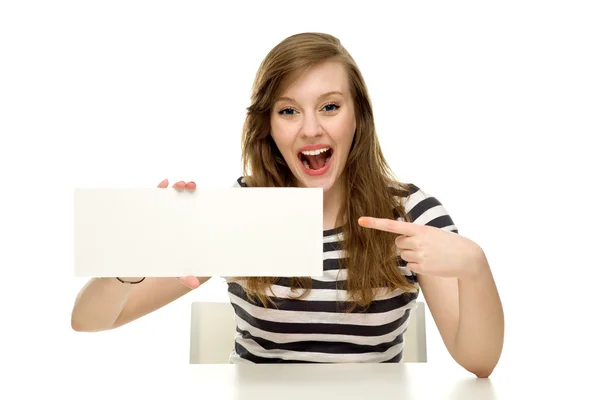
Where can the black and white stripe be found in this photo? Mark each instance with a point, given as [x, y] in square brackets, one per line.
[317, 328]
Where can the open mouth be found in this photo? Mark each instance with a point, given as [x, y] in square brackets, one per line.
[315, 161]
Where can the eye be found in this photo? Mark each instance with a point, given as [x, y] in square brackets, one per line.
[287, 112]
[331, 107]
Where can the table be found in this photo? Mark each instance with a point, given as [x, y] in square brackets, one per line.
[411, 381]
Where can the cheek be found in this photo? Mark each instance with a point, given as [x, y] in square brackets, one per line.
[283, 140]
[277, 133]
[343, 131]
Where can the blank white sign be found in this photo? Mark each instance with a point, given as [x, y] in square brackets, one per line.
[157, 232]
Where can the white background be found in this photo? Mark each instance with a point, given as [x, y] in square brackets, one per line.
[492, 108]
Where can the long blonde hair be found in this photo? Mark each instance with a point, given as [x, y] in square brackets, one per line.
[371, 189]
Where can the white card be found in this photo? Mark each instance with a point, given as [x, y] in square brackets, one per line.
[157, 232]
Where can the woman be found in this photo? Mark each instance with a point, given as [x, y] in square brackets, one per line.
[311, 124]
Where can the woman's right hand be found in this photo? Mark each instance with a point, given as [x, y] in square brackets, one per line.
[190, 281]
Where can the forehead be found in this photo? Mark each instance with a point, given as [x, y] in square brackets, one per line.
[325, 77]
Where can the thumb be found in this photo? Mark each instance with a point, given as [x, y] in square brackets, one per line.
[190, 281]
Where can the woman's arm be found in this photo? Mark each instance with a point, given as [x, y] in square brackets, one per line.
[105, 303]
[469, 315]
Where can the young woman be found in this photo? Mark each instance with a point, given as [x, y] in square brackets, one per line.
[310, 124]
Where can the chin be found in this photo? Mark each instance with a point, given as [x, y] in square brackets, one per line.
[325, 182]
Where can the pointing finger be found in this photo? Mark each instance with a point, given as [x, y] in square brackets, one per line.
[388, 225]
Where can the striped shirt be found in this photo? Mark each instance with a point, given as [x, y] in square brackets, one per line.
[316, 328]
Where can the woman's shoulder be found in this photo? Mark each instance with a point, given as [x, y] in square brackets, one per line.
[408, 192]
[402, 189]
[240, 182]
[423, 207]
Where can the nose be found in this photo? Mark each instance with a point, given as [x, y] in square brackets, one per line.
[311, 126]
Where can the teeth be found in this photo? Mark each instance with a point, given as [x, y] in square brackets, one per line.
[306, 164]
[315, 152]
[327, 160]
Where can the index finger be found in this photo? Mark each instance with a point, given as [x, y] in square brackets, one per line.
[388, 225]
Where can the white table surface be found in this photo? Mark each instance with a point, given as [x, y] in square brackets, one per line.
[311, 382]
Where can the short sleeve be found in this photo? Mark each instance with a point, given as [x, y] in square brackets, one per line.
[240, 182]
[423, 208]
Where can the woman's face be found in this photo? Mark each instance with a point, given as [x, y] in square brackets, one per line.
[313, 125]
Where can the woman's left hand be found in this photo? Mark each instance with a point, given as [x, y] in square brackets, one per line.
[429, 250]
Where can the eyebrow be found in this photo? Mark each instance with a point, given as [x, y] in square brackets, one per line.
[320, 97]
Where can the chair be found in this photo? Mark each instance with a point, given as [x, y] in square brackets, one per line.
[213, 330]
